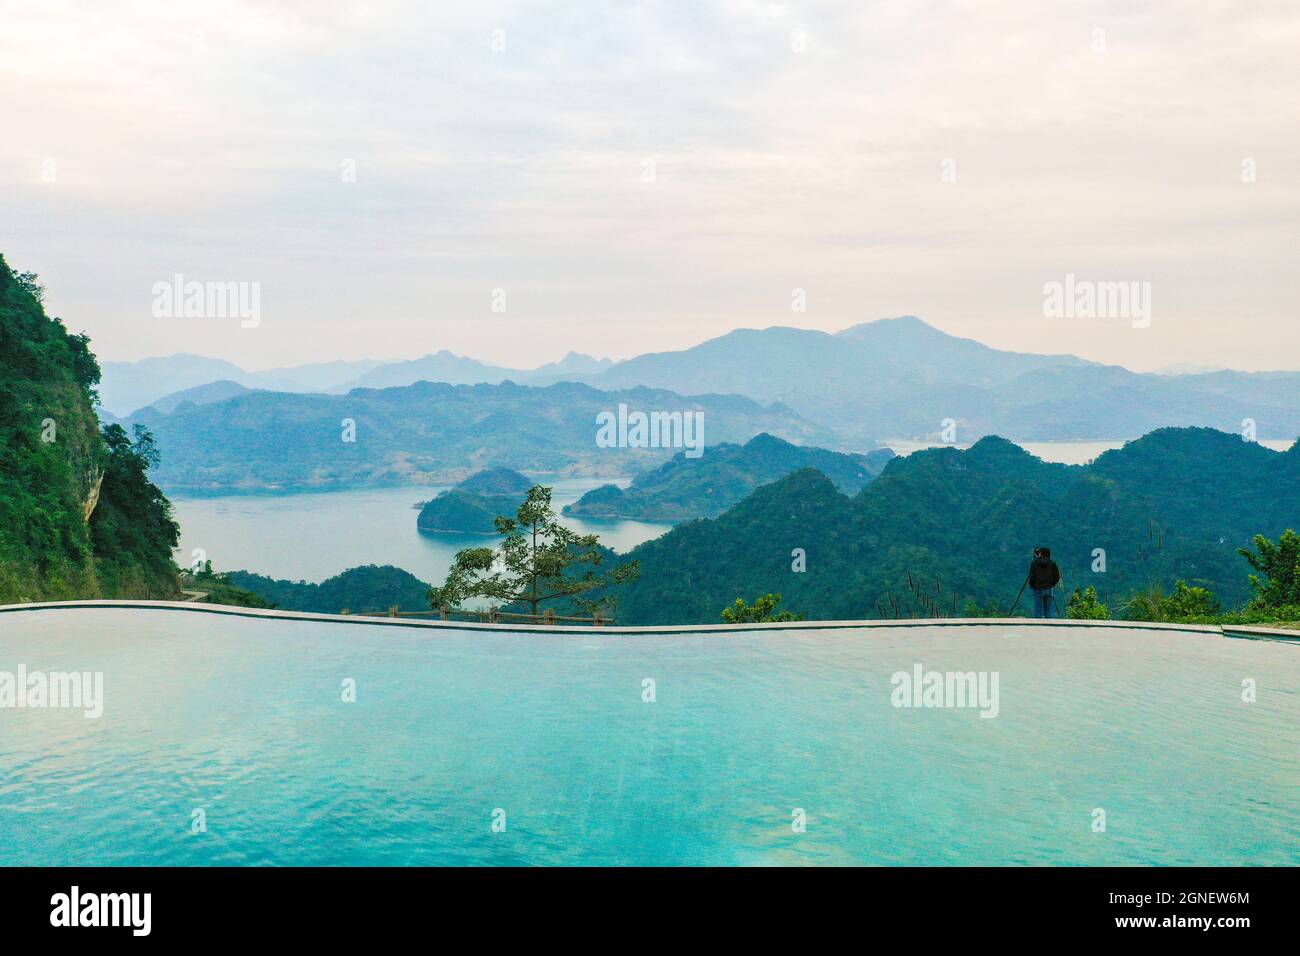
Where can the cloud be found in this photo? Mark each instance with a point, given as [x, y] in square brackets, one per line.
[639, 176]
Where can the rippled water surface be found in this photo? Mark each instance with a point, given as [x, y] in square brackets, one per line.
[243, 718]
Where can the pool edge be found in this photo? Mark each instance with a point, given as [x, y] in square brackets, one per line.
[1252, 633]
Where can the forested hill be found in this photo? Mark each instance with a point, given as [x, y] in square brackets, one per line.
[474, 504]
[1175, 504]
[359, 590]
[684, 488]
[79, 517]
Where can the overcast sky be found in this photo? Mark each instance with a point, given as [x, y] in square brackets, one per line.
[642, 176]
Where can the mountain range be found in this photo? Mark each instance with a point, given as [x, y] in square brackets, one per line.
[953, 526]
[445, 366]
[128, 387]
[901, 378]
[892, 378]
[426, 433]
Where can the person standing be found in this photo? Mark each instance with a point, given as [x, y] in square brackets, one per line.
[1044, 575]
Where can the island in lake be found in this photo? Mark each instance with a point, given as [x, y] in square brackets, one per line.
[473, 505]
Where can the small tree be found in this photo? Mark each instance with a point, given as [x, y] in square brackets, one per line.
[1191, 604]
[1279, 564]
[1085, 606]
[30, 283]
[762, 611]
[537, 560]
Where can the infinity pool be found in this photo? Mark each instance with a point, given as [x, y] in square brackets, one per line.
[239, 724]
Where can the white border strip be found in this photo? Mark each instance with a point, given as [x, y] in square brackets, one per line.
[554, 630]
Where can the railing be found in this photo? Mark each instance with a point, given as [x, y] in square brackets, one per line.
[490, 616]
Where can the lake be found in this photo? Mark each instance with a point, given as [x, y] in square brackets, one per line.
[315, 536]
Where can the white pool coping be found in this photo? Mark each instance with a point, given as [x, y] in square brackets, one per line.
[1256, 633]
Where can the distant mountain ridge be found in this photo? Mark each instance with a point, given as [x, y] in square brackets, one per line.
[127, 387]
[441, 366]
[445, 366]
[893, 378]
[426, 433]
[901, 378]
[684, 488]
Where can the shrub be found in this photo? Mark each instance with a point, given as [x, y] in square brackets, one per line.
[1085, 606]
[1186, 605]
[762, 611]
[1191, 605]
[1279, 566]
[1145, 605]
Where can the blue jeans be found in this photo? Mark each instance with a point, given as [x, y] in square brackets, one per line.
[1043, 602]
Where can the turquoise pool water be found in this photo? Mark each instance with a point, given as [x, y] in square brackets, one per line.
[243, 718]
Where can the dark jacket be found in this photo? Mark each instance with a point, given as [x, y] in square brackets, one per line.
[1043, 574]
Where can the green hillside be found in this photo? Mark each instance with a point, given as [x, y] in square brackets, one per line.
[368, 588]
[79, 517]
[958, 526]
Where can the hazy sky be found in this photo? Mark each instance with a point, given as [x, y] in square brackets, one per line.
[642, 176]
